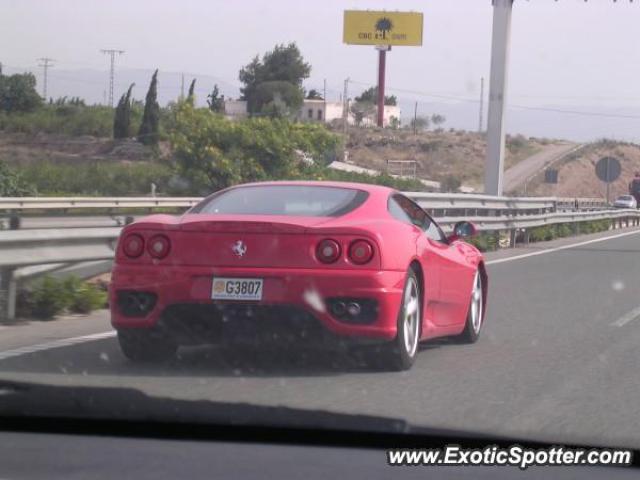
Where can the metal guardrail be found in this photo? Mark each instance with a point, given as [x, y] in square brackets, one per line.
[430, 201]
[26, 248]
[70, 203]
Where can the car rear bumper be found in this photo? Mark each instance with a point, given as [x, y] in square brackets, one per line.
[182, 298]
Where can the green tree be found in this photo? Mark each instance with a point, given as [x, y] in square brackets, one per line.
[148, 133]
[18, 93]
[213, 152]
[122, 116]
[371, 95]
[278, 99]
[191, 96]
[420, 123]
[362, 109]
[215, 100]
[282, 64]
[313, 94]
[438, 119]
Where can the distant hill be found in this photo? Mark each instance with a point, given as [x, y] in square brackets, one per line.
[576, 173]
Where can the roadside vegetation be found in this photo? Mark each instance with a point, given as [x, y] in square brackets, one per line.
[490, 241]
[50, 296]
[191, 151]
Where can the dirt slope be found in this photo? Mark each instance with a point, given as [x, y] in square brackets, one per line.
[439, 154]
[576, 174]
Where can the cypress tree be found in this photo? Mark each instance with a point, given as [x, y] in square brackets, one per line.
[148, 133]
[122, 118]
[191, 96]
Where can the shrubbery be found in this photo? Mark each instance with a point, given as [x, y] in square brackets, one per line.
[488, 241]
[51, 296]
[67, 119]
[97, 178]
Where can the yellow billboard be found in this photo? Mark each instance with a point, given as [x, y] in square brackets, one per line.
[365, 27]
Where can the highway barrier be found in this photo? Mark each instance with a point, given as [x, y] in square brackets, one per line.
[26, 248]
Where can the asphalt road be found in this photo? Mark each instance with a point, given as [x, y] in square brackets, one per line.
[517, 175]
[557, 360]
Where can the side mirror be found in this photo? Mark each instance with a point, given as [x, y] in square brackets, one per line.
[463, 230]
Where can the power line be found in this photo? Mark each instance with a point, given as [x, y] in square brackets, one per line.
[522, 107]
[112, 53]
[46, 63]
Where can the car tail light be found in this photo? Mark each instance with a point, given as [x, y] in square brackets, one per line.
[159, 246]
[328, 251]
[133, 245]
[360, 252]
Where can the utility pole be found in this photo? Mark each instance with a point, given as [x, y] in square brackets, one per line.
[345, 103]
[415, 119]
[324, 97]
[112, 53]
[481, 104]
[46, 63]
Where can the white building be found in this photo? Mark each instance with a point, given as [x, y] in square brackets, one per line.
[318, 111]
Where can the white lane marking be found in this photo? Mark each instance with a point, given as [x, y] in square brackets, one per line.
[627, 317]
[563, 247]
[64, 342]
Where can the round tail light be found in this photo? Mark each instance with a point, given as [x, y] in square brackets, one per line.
[328, 251]
[133, 245]
[159, 246]
[360, 252]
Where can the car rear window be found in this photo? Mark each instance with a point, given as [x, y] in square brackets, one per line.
[300, 200]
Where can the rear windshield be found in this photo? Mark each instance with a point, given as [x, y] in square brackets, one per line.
[625, 197]
[307, 201]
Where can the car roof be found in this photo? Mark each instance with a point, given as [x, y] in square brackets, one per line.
[367, 187]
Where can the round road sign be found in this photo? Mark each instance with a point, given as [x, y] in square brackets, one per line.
[608, 169]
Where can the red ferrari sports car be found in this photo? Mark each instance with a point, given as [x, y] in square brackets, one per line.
[361, 265]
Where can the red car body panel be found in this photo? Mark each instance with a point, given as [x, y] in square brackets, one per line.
[282, 251]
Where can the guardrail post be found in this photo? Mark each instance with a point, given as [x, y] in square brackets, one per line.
[14, 221]
[513, 233]
[8, 293]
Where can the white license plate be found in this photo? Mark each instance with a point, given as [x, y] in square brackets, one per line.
[236, 288]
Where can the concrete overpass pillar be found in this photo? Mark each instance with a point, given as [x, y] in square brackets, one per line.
[494, 165]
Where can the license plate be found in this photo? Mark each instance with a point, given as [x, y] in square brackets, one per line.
[236, 288]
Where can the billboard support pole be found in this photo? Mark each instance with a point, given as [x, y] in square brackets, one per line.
[382, 62]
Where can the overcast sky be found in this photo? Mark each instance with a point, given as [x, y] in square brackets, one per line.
[565, 53]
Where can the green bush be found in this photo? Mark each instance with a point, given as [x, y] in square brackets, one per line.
[83, 297]
[50, 296]
[485, 242]
[12, 183]
[47, 298]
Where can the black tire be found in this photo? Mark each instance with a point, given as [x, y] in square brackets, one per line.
[471, 333]
[146, 346]
[395, 355]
